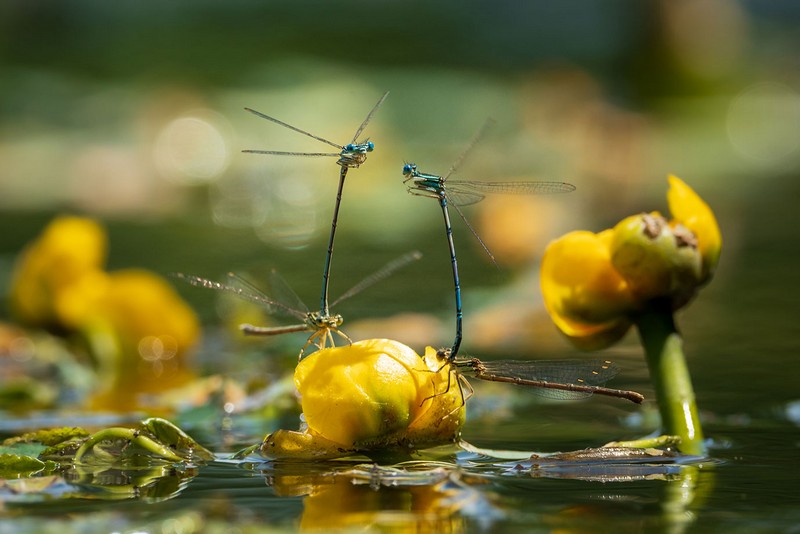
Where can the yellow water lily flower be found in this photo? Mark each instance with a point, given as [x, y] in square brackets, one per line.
[593, 284]
[596, 286]
[69, 249]
[370, 395]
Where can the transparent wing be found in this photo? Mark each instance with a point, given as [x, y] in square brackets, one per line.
[278, 303]
[547, 373]
[462, 197]
[244, 290]
[280, 153]
[294, 128]
[474, 141]
[369, 116]
[282, 291]
[380, 274]
[514, 188]
[471, 229]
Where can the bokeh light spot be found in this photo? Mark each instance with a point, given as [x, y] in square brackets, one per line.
[764, 122]
[192, 150]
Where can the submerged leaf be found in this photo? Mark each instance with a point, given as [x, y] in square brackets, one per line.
[16, 466]
[606, 464]
[23, 449]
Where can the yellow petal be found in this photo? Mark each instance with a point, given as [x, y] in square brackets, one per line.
[583, 293]
[692, 211]
[596, 336]
[79, 303]
[288, 444]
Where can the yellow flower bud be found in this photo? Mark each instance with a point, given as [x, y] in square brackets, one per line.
[138, 329]
[142, 304]
[595, 284]
[371, 395]
[656, 259]
[355, 392]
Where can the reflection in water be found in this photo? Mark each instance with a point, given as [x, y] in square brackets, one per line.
[149, 483]
[423, 496]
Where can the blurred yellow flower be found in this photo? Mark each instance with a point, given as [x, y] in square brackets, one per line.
[137, 328]
[371, 395]
[145, 330]
[593, 284]
[69, 249]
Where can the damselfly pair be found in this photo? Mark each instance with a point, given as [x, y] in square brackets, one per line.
[561, 379]
[463, 193]
[321, 323]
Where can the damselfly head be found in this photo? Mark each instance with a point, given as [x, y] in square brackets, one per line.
[318, 320]
[358, 148]
[409, 169]
[444, 354]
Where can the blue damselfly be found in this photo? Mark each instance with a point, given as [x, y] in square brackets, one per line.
[462, 193]
[351, 156]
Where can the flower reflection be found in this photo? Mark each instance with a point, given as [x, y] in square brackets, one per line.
[419, 498]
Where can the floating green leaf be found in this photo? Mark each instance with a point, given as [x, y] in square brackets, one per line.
[50, 436]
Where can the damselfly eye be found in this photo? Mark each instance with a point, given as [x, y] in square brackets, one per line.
[370, 146]
[349, 147]
[408, 167]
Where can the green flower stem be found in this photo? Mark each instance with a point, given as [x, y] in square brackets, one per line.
[663, 347]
